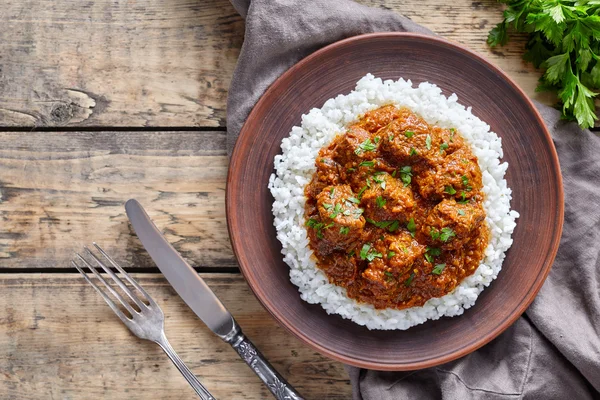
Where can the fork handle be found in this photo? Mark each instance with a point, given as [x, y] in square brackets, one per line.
[261, 367]
[200, 390]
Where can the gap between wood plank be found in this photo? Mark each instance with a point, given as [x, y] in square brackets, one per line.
[112, 129]
[203, 270]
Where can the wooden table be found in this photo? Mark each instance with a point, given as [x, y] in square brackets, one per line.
[106, 100]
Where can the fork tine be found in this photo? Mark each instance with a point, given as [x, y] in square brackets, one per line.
[110, 289]
[118, 280]
[107, 299]
[125, 274]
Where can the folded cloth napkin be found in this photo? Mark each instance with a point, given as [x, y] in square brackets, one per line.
[553, 350]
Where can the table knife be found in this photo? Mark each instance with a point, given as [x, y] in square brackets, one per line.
[201, 299]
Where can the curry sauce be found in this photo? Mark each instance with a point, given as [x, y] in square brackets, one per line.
[395, 210]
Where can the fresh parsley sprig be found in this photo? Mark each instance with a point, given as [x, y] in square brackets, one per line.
[564, 39]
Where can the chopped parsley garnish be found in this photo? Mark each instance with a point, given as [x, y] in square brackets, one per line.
[336, 211]
[344, 230]
[364, 251]
[346, 212]
[409, 134]
[367, 145]
[317, 226]
[428, 142]
[405, 175]
[361, 191]
[380, 180]
[389, 225]
[452, 130]
[352, 253]
[380, 201]
[368, 182]
[412, 227]
[366, 164]
[351, 169]
[358, 212]
[353, 200]
[432, 252]
[437, 270]
[388, 274]
[434, 233]
[464, 161]
[329, 225]
[332, 193]
[391, 254]
[443, 147]
[413, 152]
[376, 140]
[394, 173]
[367, 253]
[464, 180]
[327, 206]
[404, 249]
[463, 199]
[450, 190]
[446, 234]
[461, 212]
[391, 137]
[409, 280]
[428, 257]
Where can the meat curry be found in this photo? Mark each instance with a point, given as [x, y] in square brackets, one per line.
[394, 211]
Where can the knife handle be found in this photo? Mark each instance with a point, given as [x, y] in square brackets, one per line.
[275, 382]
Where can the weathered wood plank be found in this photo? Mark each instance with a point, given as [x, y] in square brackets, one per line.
[59, 340]
[142, 63]
[61, 190]
[116, 63]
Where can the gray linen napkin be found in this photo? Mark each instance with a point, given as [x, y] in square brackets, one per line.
[553, 350]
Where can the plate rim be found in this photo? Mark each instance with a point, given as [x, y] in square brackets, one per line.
[233, 174]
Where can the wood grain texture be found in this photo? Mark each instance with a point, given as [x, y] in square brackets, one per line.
[533, 175]
[60, 190]
[59, 340]
[156, 63]
[116, 63]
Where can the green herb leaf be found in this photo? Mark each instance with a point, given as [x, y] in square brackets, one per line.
[409, 280]
[449, 190]
[446, 234]
[437, 270]
[394, 226]
[391, 254]
[344, 230]
[428, 142]
[409, 134]
[413, 152]
[364, 251]
[461, 212]
[361, 191]
[336, 211]
[388, 274]
[366, 164]
[443, 147]
[327, 206]
[564, 39]
[365, 146]
[411, 226]
[406, 175]
[428, 257]
[332, 193]
[353, 200]
[434, 233]
[380, 201]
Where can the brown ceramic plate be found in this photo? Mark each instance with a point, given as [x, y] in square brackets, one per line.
[533, 175]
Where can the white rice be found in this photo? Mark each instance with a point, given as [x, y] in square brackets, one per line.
[295, 166]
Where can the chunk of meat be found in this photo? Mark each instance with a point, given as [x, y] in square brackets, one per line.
[355, 146]
[328, 173]
[447, 141]
[387, 199]
[453, 176]
[341, 269]
[403, 143]
[450, 224]
[340, 216]
[376, 119]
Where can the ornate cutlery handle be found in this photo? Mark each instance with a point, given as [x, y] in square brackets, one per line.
[275, 382]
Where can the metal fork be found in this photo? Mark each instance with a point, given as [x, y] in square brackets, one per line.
[148, 323]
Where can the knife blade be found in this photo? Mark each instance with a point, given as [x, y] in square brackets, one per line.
[201, 299]
[186, 281]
